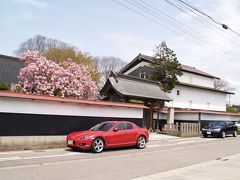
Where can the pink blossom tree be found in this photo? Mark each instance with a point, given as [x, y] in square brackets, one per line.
[44, 77]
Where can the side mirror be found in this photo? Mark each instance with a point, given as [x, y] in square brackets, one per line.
[116, 129]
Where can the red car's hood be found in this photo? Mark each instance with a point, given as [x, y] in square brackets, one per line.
[79, 134]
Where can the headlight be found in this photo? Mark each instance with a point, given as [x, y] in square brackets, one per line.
[85, 137]
[218, 129]
[203, 129]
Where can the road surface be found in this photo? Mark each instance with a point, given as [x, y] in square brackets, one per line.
[188, 158]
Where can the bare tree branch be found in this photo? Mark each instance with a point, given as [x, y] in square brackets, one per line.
[41, 44]
[107, 64]
[221, 84]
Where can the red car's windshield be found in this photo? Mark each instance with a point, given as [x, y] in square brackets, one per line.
[102, 127]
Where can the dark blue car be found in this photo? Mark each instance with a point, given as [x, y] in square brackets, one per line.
[220, 129]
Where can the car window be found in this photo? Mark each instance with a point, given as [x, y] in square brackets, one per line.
[129, 126]
[218, 123]
[102, 127]
[230, 123]
[122, 126]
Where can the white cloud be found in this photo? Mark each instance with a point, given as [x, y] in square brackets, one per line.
[129, 45]
[13, 20]
[36, 3]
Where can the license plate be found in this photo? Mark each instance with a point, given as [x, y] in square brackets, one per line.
[70, 142]
[208, 132]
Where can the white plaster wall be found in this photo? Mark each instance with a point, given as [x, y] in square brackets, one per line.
[186, 116]
[16, 105]
[216, 117]
[179, 116]
[196, 80]
[200, 99]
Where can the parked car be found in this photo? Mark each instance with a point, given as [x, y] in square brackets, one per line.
[220, 129]
[110, 134]
[238, 125]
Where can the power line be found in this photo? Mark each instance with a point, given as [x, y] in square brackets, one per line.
[212, 49]
[204, 43]
[224, 26]
[202, 20]
[138, 13]
[184, 27]
[224, 32]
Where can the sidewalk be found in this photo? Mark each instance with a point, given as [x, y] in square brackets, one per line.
[223, 168]
[161, 137]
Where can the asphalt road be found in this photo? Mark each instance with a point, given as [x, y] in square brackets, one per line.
[159, 159]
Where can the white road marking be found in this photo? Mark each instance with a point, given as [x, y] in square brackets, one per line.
[38, 157]
[177, 143]
[9, 158]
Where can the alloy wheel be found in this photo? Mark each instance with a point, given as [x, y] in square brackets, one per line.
[223, 134]
[98, 145]
[235, 134]
[141, 142]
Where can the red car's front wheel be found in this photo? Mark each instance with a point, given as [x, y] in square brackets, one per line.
[141, 142]
[97, 145]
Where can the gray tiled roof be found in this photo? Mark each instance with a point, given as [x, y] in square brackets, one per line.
[136, 87]
[206, 88]
[9, 69]
[183, 67]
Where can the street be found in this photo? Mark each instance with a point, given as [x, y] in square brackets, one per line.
[166, 159]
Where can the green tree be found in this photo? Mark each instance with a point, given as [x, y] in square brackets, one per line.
[166, 67]
[59, 55]
[232, 109]
[5, 87]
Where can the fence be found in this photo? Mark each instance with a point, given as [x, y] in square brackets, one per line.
[182, 129]
[31, 121]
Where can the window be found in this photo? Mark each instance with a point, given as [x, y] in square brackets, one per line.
[129, 126]
[125, 126]
[143, 75]
[190, 104]
[230, 123]
[121, 126]
[102, 127]
[178, 92]
[208, 105]
[218, 123]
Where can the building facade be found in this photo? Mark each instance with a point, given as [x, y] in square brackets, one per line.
[9, 69]
[194, 91]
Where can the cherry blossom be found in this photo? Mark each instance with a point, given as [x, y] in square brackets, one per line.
[44, 77]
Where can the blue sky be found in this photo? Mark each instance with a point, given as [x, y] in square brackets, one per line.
[104, 28]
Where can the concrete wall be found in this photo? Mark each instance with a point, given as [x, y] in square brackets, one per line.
[11, 143]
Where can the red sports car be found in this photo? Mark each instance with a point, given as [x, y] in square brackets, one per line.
[110, 134]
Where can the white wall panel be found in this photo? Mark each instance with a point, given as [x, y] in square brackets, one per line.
[194, 98]
[195, 79]
[14, 105]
